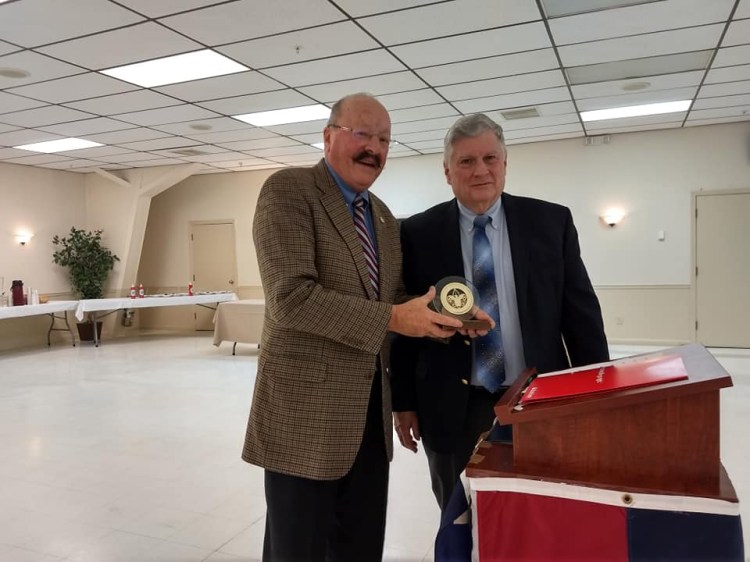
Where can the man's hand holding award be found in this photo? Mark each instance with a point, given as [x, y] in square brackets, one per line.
[456, 297]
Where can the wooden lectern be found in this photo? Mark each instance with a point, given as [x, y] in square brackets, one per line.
[656, 439]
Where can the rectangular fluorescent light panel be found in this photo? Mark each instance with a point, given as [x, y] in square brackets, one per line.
[636, 110]
[284, 116]
[60, 145]
[176, 69]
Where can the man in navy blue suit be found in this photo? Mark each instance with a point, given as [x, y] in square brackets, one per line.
[548, 314]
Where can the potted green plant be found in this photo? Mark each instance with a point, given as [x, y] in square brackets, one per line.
[89, 263]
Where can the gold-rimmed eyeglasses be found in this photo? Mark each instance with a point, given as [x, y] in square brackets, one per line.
[364, 136]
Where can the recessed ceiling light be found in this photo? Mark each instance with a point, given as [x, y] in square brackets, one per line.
[14, 72]
[60, 145]
[284, 116]
[636, 110]
[558, 8]
[636, 86]
[175, 69]
[319, 145]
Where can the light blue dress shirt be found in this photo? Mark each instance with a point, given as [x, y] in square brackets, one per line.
[510, 326]
[349, 195]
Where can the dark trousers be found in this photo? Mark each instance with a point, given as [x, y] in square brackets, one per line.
[446, 468]
[332, 520]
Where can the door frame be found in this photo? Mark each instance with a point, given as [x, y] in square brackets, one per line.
[694, 248]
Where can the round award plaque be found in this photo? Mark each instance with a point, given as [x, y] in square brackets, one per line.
[456, 297]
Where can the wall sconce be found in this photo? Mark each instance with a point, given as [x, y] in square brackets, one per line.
[24, 238]
[611, 217]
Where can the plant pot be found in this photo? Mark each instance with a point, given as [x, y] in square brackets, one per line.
[86, 331]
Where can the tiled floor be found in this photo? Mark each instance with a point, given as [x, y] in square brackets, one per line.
[130, 452]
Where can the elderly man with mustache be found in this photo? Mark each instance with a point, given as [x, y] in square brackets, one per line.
[320, 423]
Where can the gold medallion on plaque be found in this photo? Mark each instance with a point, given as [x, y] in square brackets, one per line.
[456, 297]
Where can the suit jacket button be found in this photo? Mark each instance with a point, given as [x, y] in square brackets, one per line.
[467, 342]
[464, 381]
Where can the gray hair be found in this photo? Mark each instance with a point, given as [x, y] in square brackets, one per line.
[338, 107]
[470, 126]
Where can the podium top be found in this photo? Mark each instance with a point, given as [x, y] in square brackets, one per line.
[703, 370]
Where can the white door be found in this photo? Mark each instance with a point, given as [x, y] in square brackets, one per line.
[214, 262]
[722, 279]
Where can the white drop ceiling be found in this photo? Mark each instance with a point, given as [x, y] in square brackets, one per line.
[427, 61]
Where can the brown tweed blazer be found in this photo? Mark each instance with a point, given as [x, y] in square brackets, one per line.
[323, 329]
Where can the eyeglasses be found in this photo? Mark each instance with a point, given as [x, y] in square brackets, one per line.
[364, 137]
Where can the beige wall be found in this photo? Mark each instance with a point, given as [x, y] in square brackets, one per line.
[642, 281]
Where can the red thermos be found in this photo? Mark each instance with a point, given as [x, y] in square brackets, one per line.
[16, 291]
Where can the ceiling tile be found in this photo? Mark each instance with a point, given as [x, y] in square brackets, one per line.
[399, 129]
[47, 115]
[447, 18]
[739, 111]
[728, 74]
[25, 136]
[435, 134]
[299, 46]
[157, 162]
[39, 22]
[257, 102]
[38, 66]
[7, 128]
[737, 34]
[490, 67]
[637, 68]
[537, 123]
[197, 128]
[270, 142]
[122, 46]
[636, 20]
[310, 138]
[166, 7]
[216, 157]
[97, 152]
[697, 122]
[511, 101]
[713, 90]
[241, 134]
[548, 130]
[80, 86]
[246, 19]
[410, 99]
[37, 159]
[87, 127]
[545, 138]
[425, 145]
[171, 114]
[357, 8]
[9, 103]
[160, 144]
[128, 135]
[124, 157]
[637, 98]
[424, 112]
[722, 101]
[287, 151]
[376, 85]
[743, 10]
[617, 87]
[731, 56]
[124, 103]
[290, 129]
[336, 68]
[653, 44]
[6, 48]
[525, 37]
[7, 153]
[500, 86]
[222, 87]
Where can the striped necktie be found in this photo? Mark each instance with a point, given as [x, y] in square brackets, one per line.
[371, 257]
[488, 350]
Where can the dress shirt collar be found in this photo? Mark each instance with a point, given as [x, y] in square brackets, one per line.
[466, 216]
[348, 193]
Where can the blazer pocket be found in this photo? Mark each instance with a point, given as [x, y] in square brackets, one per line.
[289, 369]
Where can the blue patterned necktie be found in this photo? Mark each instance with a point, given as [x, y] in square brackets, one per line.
[371, 257]
[488, 350]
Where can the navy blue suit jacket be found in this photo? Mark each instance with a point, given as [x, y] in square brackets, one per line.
[557, 307]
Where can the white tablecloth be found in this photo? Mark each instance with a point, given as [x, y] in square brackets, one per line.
[239, 321]
[95, 305]
[35, 309]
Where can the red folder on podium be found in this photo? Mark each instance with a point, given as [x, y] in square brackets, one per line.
[606, 377]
